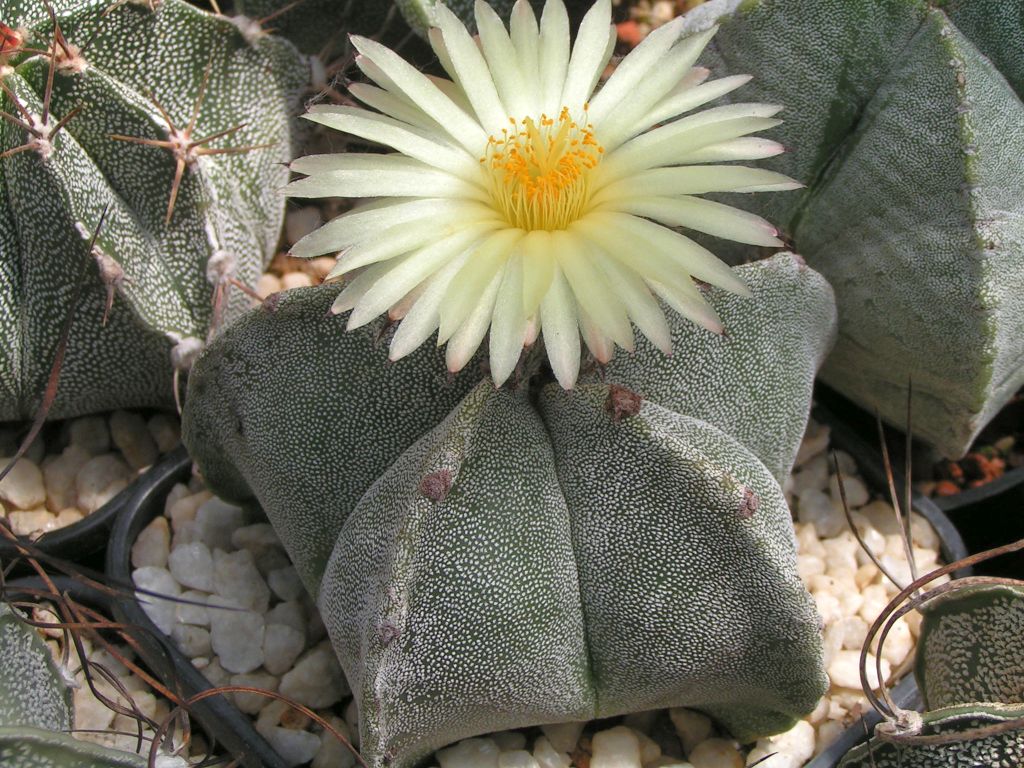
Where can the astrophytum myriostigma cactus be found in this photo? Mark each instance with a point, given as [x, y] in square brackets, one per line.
[970, 669]
[904, 120]
[165, 116]
[487, 558]
[35, 708]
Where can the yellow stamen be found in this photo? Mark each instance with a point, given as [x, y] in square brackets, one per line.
[539, 171]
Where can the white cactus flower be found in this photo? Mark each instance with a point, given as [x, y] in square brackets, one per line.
[522, 201]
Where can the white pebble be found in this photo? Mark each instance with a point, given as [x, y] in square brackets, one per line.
[333, 753]
[808, 566]
[285, 583]
[517, 758]
[470, 753]
[236, 635]
[857, 494]
[89, 712]
[766, 757]
[563, 736]
[255, 538]
[815, 442]
[157, 581]
[828, 732]
[192, 565]
[549, 757]
[192, 640]
[828, 606]
[252, 703]
[59, 474]
[818, 509]
[23, 487]
[194, 611]
[875, 600]
[294, 747]
[898, 643]
[509, 741]
[281, 647]
[267, 284]
[922, 533]
[797, 742]
[30, 522]
[131, 436]
[715, 753]
[165, 432]
[844, 671]
[216, 520]
[100, 479]
[811, 478]
[649, 749]
[841, 553]
[90, 433]
[153, 545]
[316, 680]
[290, 613]
[296, 280]
[616, 747]
[692, 727]
[235, 576]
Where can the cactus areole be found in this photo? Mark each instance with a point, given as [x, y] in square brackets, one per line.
[168, 118]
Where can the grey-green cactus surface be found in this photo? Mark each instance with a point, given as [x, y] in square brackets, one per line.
[35, 708]
[487, 559]
[970, 646]
[904, 119]
[169, 72]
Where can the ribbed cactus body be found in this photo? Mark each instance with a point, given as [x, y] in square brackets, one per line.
[904, 120]
[487, 559]
[150, 284]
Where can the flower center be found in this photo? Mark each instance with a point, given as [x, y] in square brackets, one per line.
[540, 170]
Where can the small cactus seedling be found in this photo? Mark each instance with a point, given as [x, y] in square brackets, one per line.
[968, 667]
[177, 125]
[905, 122]
[494, 558]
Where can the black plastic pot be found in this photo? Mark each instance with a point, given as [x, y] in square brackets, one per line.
[231, 729]
[79, 542]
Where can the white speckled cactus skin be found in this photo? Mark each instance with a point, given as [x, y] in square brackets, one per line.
[969, 669]
[511, 557]
[35, 708]
[163, 277]
[904, 118]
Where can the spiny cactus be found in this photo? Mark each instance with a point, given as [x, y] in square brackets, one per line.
[169, 118]
[904, 120]
[35, 708]
[535, 555]
[968, 667]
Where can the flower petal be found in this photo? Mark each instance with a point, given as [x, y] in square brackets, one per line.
[636, 68]
[465, 341]
[704, 216]
[690, 98]
[538, 268]
[600, 346]
[554, 56]
[589, 56]
[526, 39]
[422, 319]
[502, 61]
[410, 271]
[643, 309]
[630, 115]
[357, 287]
[591, 288]
[685, 299]
[743, 148]
[392, 106]
[465, 289]
[558, 323]
[360, 223]
[471, 71]
[388, 131]
[693, 180]
[508, 325]
[424, 94]
[354, 175]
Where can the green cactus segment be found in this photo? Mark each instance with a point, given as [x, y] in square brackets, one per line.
[754, 382]
[457, 612]
[32, 692]
[318, 26]
[970, 646]
[1000, 750]
[996, 27]
[909, 140]
[228, 211]
[687, 565]
[515, 568]
[337, 416]
[35, 748]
